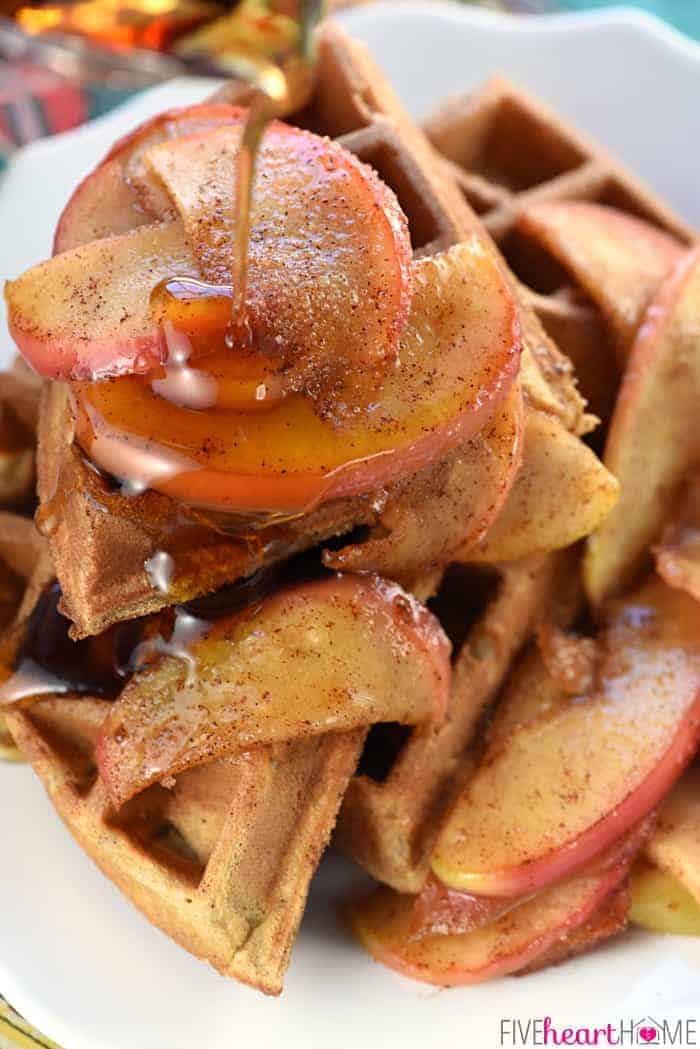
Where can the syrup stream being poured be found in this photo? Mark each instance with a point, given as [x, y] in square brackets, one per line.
[281, 82]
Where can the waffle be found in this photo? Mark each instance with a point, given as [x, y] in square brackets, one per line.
[24, 566]
[19, 408]
[390, 817]
[222, 861]
[507, 152]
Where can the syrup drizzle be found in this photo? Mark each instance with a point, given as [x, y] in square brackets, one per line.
[49, 663]
[281, 80]
[240, 333]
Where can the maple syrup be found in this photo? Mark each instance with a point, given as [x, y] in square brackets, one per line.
[48, 662]
[197, 321]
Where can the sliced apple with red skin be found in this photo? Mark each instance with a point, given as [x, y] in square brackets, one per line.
[109, 200]
[103, 205]
[610, 919]
[383, 925]
[459, 358]
[86, 313]
[324, 293]
[619, 260]
[652, 444]
[456, 501]
[561, 494]
[323, 657]
[318, 279]
[440, 910]
[570, 784]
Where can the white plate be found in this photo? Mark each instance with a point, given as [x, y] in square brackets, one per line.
[75, 957]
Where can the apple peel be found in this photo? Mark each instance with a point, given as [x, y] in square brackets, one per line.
[572, 783]
[383, 925]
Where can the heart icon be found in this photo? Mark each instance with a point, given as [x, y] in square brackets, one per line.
[648, 1034]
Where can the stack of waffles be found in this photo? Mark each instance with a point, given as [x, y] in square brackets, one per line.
[221, 856]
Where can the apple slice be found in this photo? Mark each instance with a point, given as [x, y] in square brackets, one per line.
[610, 919]
[103, 205]
[323, 657]
[440, 910]
[618, 260]
[111, 200]
[651, 447]
[328, 294]
[675, 845]
[327, 297]
[660, 903]
[85, 314]
[569, 784]
[383, 925]
[459, 359]
[455, 502]
[677, 554]
[561, 494]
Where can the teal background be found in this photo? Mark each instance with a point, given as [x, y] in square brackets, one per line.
[683, 14]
